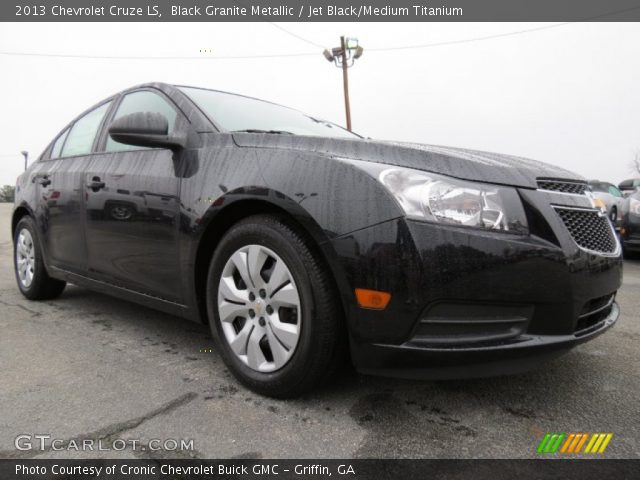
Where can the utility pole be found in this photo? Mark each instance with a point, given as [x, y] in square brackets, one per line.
[25, 154]
[344, 57]
[345, 83]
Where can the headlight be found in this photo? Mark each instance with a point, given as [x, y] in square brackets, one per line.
[441, 199]
[634, 206]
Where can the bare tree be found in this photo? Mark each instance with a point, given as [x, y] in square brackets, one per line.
[7, 193]
[635, 163]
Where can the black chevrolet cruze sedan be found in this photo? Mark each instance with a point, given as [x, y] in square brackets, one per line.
[299, 242]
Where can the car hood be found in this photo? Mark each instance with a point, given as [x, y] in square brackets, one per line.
[456, 162]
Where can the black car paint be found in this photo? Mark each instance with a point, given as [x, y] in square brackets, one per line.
[157, 258]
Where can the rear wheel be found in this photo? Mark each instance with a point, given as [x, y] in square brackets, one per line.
[273, 308]
[31, 274]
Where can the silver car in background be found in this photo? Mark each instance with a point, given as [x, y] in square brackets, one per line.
[627, 187]
[630, 225]
[610, 196]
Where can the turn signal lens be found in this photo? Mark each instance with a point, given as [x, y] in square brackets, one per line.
[372, 299]
[599, 203]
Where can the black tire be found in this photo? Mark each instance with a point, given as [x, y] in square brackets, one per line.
[42, 286]
[322, 339]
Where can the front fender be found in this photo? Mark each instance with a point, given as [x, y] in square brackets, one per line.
[339, 196]
[326, 196]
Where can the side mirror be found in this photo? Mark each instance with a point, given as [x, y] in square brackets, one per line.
[144, 129]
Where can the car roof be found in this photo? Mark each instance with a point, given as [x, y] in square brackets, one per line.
[630, 182]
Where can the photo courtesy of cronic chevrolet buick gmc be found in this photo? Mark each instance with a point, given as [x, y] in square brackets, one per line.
[468, 263]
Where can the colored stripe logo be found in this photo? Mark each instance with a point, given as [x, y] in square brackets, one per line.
[573, 443]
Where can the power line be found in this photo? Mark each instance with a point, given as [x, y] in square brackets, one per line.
[468, 40]
[285, 55]
[280, 55]
[288, 32]
[501, 35]
[117, 57]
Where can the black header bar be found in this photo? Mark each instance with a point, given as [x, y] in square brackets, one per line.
[319, 11]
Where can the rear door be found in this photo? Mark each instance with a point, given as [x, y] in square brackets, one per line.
[59, 212]
[132, 208]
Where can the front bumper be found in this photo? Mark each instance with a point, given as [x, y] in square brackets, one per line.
[468, 303]
[525, 353]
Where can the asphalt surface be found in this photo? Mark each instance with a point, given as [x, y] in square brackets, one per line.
[87, 366]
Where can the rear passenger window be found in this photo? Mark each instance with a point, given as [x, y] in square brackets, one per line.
[143, 101]
[83, 133]
[57, 147]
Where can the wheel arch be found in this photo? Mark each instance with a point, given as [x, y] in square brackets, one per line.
[218, 221]
[19, 213]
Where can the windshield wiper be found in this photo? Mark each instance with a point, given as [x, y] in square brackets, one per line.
[257, 130]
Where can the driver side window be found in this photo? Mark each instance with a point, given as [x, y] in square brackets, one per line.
[143, 101]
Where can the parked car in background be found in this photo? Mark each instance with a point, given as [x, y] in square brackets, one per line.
[610, 196]
[297, 241]
[630, 224]
[629, 186]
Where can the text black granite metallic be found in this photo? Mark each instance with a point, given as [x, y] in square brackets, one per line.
[300, 243]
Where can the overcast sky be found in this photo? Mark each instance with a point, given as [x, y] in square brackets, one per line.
[568, 95]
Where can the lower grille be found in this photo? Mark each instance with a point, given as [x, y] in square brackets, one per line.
[590, 230]
[448, 325]
[597, 304]
[593, 314]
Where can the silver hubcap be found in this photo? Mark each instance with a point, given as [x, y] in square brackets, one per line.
[25, 258]
[121, 213]
[259, 308]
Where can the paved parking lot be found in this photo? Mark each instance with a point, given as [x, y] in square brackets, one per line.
[87, 366]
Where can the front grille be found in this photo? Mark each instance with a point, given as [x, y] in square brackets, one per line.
[577, 188]
[589, 229]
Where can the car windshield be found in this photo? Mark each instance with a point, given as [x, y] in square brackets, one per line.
[243, 114]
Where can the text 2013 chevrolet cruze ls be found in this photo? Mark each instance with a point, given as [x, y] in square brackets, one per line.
[298, 241]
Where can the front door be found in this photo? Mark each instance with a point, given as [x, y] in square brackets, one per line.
[132, 210]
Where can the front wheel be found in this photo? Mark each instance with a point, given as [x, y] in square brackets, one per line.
[273, 308]
[31, 274]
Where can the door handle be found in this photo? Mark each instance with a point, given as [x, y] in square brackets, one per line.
[96, 184]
